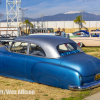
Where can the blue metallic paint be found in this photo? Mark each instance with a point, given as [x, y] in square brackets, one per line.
[55, 72]
[85, 64]
[15, 65]
[75, 69]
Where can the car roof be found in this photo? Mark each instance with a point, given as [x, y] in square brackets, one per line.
[54, 40]
[47, 42]
[95, 32]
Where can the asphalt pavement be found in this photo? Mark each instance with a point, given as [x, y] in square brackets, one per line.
[93, 97]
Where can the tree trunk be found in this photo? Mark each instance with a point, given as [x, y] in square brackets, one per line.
[29, 30]
[79, 26]
[26, 28]
[85, 27]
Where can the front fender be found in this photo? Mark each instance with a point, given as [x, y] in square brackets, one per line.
[55, 75]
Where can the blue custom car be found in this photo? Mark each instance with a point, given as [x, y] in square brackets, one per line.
[50, 60]
[81, 33]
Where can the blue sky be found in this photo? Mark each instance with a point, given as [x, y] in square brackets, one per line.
[52, 7]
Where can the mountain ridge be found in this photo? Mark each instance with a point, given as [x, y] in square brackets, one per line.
[69, 16]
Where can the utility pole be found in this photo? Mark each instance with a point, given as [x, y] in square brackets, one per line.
[23, 14]
[42, 19]
[82, 11]
[12, 8]
[23, 10]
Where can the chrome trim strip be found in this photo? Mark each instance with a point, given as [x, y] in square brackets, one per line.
[85, 87]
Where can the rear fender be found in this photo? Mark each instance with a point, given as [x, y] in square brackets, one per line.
[55, 75]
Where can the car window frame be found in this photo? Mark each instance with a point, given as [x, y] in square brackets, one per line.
[28, 46]
[36, 55]
[17, 52]
[67, 55]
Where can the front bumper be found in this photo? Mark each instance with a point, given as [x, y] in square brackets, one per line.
[85, 87]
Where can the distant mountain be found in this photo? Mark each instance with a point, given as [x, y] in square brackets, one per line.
[69, 16]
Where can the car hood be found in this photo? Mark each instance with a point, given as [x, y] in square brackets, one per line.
[85, 64]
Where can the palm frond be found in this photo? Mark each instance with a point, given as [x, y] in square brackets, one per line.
[83, 21]
[26, 22]
[79, 21]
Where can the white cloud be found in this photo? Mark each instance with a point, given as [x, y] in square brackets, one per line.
[63, 7]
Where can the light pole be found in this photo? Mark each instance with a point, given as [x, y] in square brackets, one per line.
[42, 19]
[23, 10]
[23, 13]
[82, 11]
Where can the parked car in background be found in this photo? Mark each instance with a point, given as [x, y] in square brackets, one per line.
[92, 40]
[6, 38]
[81, 33]
[43, 34]
[41, 30]
[50, 60]
[95, 30]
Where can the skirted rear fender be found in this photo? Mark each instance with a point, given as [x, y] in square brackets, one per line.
[55, 75]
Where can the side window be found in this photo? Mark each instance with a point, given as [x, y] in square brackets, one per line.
[36, 50]
[95, 35]
[19, 47]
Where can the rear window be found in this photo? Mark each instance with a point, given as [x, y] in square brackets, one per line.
[68, 49]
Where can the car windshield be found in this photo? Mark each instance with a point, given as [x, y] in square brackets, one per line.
[81, 33]
[68, 49]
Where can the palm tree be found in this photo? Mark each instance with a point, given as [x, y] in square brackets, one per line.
[79, 21]
[27, 23]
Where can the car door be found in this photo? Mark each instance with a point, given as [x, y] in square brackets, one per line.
[13, 63]
[93, 40]
[36, 54]
[1, 55]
